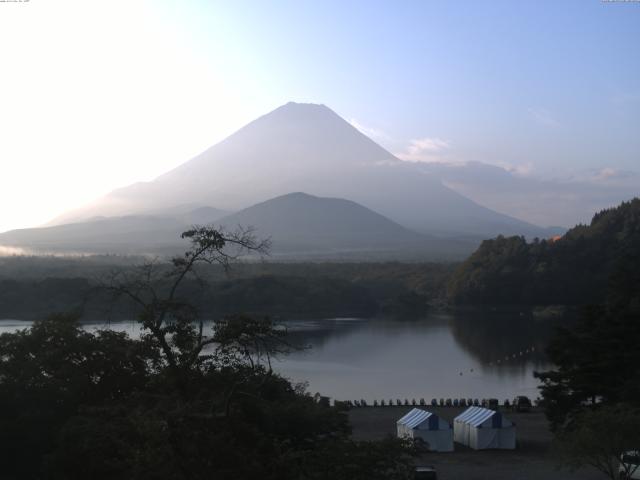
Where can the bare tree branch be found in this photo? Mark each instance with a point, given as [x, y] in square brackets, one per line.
[154, 289]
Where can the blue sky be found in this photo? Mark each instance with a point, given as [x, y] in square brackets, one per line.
[97, 95]
[552, 84]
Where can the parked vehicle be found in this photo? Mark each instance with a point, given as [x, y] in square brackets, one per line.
[521, 404]
[629, 468]
[425, 472]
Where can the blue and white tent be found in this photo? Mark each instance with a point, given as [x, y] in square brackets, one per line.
[481, 428]
[433, 430]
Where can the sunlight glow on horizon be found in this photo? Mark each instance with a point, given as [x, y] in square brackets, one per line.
[97, 95]
[97, 100]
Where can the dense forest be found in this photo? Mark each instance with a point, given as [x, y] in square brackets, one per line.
[181, 402]
[591, 394]
[570, 270]
[31, 287]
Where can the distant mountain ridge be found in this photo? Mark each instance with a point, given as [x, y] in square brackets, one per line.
[536, 199]
[307, 147]
[132, 234]
[302, 223]
[300, 226]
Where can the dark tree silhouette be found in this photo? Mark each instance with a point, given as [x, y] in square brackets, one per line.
[178, 403]
[171, 322]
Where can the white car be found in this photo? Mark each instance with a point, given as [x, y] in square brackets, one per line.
[630, 466]
[425, 472]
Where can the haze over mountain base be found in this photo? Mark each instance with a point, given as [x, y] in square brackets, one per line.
[379, 207]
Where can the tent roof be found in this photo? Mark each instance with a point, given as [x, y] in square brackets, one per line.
[414, 418]
[475, 416]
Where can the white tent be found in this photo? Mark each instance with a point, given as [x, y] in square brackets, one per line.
[481, 428]
[436, 432]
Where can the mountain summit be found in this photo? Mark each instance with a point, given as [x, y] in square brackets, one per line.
[299, 221]
[308, 147]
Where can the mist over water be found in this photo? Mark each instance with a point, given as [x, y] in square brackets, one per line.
[9, 251]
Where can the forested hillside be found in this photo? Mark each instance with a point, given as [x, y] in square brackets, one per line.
[570, 270]
[32, 287]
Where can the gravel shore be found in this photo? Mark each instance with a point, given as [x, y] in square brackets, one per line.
[532, 459]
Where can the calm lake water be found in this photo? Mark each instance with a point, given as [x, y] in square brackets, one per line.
[470, 355]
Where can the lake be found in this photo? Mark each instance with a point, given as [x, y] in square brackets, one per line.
[469, 355]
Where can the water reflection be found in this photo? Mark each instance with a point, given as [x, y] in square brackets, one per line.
[441, 355]
[471, 354]
[508, 344]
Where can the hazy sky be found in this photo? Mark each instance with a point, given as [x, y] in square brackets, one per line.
[99, 94]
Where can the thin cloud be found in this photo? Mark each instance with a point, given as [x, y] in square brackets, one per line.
[428, 149]
[606, 173]
[609, 176]
[543, 117]
[371, 132]
[521, 170]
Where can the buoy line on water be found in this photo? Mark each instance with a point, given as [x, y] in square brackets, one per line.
[449, 402]
[513, 356]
